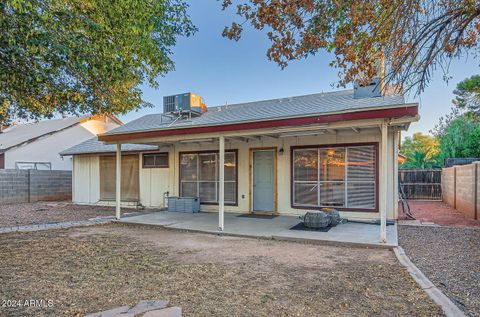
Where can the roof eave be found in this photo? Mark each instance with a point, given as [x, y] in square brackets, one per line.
[401, 110]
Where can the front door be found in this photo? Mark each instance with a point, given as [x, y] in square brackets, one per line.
[263, 180]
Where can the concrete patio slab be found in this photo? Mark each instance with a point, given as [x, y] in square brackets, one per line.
[353, 234]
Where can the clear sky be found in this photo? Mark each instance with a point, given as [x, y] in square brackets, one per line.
[221, 71]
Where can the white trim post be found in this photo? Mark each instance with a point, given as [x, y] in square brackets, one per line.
[383, 184]
[221, 182]
[396, 144]
[118, 181]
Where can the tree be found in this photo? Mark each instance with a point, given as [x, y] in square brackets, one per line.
[460, 138]
[421, 151]
[468, 95]
[84, 56]
[413, 37]
[419, 159]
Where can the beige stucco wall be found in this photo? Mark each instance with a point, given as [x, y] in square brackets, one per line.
[155, 182]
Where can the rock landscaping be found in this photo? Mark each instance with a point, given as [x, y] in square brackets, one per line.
[40, 213]
[450, 258]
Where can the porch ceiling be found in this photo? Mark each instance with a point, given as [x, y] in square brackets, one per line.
[277, 134]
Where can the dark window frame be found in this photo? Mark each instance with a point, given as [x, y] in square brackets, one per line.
[212, 151]
[319, 146]
[153, 154]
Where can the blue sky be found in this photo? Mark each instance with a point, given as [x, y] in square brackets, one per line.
[223, 71]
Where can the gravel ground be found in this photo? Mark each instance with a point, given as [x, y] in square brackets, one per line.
[46, 212]
[96, 268]
[450, 258]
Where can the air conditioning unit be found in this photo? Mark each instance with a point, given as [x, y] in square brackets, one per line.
[187, 102]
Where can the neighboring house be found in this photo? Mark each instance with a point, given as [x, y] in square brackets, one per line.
[336, 149]
[37, 145]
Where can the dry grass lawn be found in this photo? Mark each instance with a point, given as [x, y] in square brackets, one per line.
[90, 269]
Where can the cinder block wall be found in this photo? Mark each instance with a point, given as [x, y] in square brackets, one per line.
[17, 186]
[448, 186]
[13, 186]
[465, 190]
[50, 185]
[461, 189]
[478, 191]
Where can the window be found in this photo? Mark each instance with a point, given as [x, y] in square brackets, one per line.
[151, 160]
[129, 187]
[41, 166]
[342, 177]
[199, 176]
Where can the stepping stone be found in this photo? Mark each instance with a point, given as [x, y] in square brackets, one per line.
[166, 312]
[147, 305]
[110, 313]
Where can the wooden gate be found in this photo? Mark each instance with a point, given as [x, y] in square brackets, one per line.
[421, 184]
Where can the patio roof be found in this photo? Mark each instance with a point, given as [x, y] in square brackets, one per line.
[92, 146]
[292, 111]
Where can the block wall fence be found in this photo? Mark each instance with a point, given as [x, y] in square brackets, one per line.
[461, 189]
[21, 186]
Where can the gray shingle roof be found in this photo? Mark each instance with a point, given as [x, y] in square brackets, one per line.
[27, 132]
[92, 146]
[300, 106]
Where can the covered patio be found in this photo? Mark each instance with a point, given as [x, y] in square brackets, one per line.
[282, 157]
[277, 228]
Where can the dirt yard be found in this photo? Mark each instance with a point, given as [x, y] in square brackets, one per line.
[47, 212]
[91, 269]
[438, 213]
[450, 258]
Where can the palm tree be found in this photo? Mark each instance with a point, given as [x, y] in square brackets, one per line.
[420, 160]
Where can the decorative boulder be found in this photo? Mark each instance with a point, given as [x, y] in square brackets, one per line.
[316, 219]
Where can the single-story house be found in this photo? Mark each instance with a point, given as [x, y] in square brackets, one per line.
[337, 149]
[37, 145]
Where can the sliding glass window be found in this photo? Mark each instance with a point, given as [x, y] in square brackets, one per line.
[342, 177]
[199, 176]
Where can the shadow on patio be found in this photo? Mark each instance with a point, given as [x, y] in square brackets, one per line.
[278, 228]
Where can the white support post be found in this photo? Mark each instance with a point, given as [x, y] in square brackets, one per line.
[221, 182]
[118, 181]
[396, 141]
[383, 185]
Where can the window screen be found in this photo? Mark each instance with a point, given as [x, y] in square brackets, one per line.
[199, 176]
[151, 160]
[340, 176]
[129, 179]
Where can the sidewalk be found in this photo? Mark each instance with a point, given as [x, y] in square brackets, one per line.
[57, 225]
